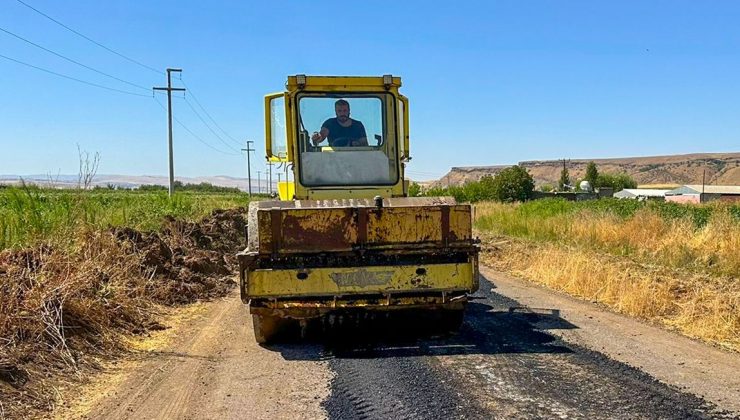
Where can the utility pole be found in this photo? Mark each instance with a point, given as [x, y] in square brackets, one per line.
[258, 181]
[169, 90]
[249, 170]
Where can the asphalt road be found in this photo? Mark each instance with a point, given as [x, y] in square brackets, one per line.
[523, 352]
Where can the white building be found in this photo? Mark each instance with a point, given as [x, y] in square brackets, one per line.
[641, 194]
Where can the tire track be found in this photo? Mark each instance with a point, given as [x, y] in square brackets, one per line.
[500, 365]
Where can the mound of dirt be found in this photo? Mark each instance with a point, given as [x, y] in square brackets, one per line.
[63, 310]
[190, 259]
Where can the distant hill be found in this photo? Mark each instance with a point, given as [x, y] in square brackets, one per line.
[721, 169]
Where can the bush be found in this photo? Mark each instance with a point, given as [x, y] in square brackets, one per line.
[512, 184]
[202, 187]
[414, 190]
[616, 181]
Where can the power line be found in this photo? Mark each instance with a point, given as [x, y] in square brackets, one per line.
[209, 127]
[197, 102]
[71, 60]
[88, 38]
[73, 78]
[193, 134]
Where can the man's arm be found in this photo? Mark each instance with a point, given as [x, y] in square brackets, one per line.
[362, 140]
[318, 137]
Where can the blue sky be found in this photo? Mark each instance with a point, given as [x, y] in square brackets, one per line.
[490, 82]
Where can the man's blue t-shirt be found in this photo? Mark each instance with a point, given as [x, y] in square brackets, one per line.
[337, 131]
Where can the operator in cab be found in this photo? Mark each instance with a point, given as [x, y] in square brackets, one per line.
[341, 131]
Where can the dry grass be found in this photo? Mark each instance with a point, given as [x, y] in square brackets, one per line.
[667, 271]
[56, 307]
[63, 309]
[646, 235]
[697, 305]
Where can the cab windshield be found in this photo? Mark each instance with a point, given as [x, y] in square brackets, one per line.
[347, 139]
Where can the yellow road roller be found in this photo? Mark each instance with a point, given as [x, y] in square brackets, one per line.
[344, 236]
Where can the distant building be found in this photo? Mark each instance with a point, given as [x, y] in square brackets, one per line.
[642, 194]
[703, 193]
[605, 192]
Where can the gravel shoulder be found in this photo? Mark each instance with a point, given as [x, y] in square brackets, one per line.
[208, 366]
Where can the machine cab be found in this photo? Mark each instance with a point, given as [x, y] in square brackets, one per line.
[339, 137]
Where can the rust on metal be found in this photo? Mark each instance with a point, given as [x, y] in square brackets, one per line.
[445, 224]
[311, 229]
[362, 226]
[334, 227]
[276, 229]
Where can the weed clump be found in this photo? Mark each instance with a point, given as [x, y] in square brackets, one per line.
[64, 307]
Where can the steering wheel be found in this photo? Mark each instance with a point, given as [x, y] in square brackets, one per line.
[341, 142]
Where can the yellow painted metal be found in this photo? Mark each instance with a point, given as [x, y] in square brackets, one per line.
[342, 83]
[340, 193]
[416, 225]
[327, 221]
[359, 280]
[405, 133]
[323, 229]
[349, 84]
[398, 301]
[286, 190]
[268, 128]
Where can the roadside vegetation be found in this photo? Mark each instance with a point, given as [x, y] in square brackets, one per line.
[515, 184]
[674, 264]
[30, 214]
[82, 272]
[509, 185]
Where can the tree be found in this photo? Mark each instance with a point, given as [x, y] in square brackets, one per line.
[564, 179]
[616, 181]
[512, 184]
[592, 174]
[88, 168]
[414, 190]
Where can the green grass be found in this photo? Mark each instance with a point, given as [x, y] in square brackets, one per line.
[704, 238]
[625, 209]
[30, 214]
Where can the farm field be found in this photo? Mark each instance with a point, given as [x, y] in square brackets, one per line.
[675, 265]
[30, 214]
